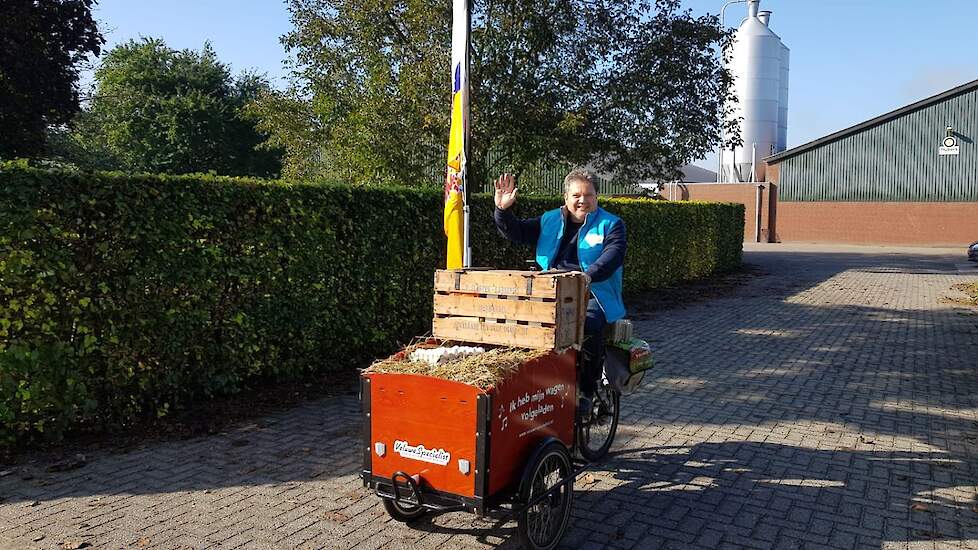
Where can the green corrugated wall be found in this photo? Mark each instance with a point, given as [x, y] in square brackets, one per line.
[896, 161]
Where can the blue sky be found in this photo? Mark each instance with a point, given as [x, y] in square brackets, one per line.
[851, 60]
[245, 35]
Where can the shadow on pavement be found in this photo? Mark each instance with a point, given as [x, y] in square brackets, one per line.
[772, 495]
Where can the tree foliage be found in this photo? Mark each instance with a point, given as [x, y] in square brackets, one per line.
[156, 109]
[633, 88]
[42, 44]
[293, 128]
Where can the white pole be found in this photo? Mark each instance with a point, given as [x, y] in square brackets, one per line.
[724, 8]
[466, 245]
[467, 251]
[753, 161]
[734, 170]
[719, 163]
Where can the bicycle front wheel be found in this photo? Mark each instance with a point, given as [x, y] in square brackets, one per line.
[596, 434]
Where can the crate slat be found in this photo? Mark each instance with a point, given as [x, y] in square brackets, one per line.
[501, 282]
[474, 329]
[496, 308]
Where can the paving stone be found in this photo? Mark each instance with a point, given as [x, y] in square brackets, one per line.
[811, 407]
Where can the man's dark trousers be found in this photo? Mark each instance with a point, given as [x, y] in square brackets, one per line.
[593, 347]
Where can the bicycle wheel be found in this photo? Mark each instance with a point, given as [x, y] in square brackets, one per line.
[595, 434]
[542, 525]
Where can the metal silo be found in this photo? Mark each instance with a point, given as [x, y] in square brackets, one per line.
[759, 64]
[782, 142]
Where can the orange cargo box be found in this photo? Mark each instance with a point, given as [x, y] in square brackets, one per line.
[460, 441]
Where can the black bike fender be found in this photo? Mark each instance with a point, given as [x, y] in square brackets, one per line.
[527, 468]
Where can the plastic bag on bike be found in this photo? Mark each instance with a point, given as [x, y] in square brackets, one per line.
[626, 363]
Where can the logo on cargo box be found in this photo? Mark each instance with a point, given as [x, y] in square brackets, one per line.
[420, 452]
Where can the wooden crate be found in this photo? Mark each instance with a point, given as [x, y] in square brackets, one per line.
[526, 309]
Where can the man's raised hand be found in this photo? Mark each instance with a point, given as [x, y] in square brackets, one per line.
[505, 191]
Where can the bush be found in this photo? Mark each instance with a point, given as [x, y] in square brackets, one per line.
[132, 295]
[668, 242]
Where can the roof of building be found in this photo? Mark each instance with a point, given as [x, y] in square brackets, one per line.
[689, 173]
[787, 153]
[697, 174]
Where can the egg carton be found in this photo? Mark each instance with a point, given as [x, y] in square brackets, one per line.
[440, 356]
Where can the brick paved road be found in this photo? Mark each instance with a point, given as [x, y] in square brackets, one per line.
[832, 402]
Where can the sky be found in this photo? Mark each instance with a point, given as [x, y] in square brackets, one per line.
[245, 35]
[851, 60]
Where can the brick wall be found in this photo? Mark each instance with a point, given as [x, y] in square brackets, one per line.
[904, 223]
[893, 223]
[907, 223]
[743, 193]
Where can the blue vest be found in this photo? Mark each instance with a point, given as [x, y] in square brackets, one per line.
[590, 243]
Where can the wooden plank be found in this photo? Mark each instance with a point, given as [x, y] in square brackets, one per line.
[565, 336]
[569, 308]
[467, 305]
[510, 283]
[471, 329]
[583, 293]
[496, 308]
[569, 314]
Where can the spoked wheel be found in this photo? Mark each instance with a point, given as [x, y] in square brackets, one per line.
[595, 434]
[542, 525]
[403, 512]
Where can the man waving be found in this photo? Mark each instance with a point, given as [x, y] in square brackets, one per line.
[579, 236]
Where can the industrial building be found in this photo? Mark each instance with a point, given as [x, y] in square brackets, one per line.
[907, 177]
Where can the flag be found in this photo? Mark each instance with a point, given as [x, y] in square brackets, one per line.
[455, 175]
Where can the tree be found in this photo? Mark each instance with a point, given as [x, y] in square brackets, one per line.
[633, 88]
[42, 44]
[156, 109]
[293, 128]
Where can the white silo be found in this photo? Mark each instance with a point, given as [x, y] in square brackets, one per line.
[759, 65]
[782, 142]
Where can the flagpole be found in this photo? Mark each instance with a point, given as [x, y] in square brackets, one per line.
[457, 195]
[466, 246]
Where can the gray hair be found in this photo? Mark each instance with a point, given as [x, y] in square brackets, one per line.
[581, 175]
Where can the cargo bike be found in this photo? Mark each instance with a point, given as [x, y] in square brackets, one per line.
[511, 448]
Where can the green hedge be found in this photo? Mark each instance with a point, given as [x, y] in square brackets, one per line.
[668, 242]
[123, 296]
